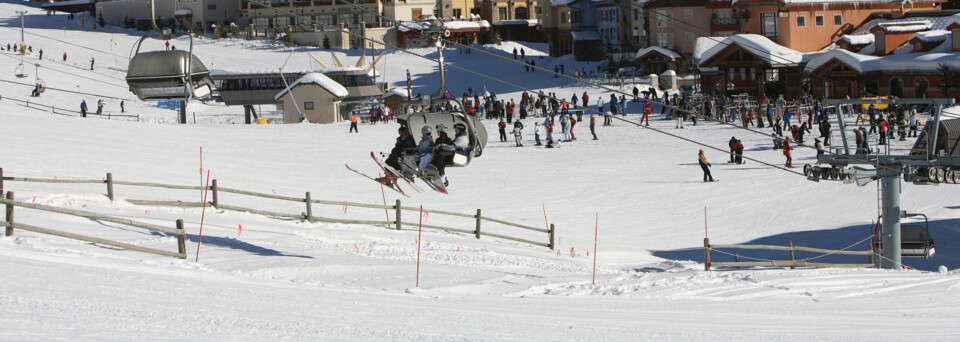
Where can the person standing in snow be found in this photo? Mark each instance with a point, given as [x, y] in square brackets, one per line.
[83, 108]
[705, 166]
[536, 133]
[548, 126]
[786, 153]
[593, 126]
[353, 123]
[100, 106]
[517, 135]
[122, 110]
[503, 130]
[91, 63]
[733, 149]
[647, 109]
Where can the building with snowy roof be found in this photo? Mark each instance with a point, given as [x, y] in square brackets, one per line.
[811, 25]
[317, 96]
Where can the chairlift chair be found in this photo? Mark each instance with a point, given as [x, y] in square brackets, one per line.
[19, 72]
[40, 86]
[915, 239]
[162, 75]
[167, 74]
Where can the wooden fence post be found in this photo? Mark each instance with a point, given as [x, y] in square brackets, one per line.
[181, 241]
[216, 196]
[790, 244]
[398, 214]
[1, 180]
[477, 232]
[553, 236]
[10, 214]
[706, 254]
[736, 258]
[110, 186]
[309, 208]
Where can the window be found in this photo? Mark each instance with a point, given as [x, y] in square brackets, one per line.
[416, 14]
[212, 6]
[457, 12]
[308, 105]
[282, 21]
[665, 18]
[520, 13]
[837, 20]
[801, 21]
[818, 20]
[689, 36]
[768, 27]
[878, 41]
[261, 22]
[502, 12]
[665, 40]
[563, 18]
[636, 14]
[345, 18]
[688, 13]
[955, 34]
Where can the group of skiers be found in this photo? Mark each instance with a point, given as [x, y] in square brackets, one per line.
[100, 104]
[438, 152]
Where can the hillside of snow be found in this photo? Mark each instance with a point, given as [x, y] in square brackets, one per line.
[631, 203]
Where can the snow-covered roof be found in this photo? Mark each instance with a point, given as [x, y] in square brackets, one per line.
[906, 26]
[451, 25]
[398, 91]
[703, 44]
[859, 39]
[824, 2]
[660, 50]
[182, 12]
[921, 62]
[586, 35]
[931, 36]
[319, 79]
[760, 46]
[561, 3]
[528, 22]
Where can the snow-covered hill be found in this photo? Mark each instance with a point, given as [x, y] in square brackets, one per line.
[637, 189]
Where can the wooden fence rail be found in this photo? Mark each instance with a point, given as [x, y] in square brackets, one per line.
[308, 201]
[66, 112]
[790, 249]
[10, 224]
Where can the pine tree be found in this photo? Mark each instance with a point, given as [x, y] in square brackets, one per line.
[948, 79]
[326, 42]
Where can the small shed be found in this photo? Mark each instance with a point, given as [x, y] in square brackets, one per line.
[394, 98]
[317, 96]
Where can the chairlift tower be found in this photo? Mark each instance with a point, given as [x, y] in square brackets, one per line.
[888, 170]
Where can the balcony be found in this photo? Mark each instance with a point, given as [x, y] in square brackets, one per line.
[724, 21]
[718, 4]
[724, 24]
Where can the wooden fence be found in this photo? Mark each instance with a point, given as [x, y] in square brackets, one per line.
[66, 112]
[397, 222]
[791, 262]
[11, 225]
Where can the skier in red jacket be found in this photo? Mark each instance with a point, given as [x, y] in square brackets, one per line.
[786, 152]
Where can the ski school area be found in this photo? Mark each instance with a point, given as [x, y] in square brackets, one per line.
[142, 228]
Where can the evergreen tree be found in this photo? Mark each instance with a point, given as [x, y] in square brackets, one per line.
[949, 79]
[326, 42]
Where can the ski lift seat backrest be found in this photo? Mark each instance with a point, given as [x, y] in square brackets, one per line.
[159, 75]
[915, 241]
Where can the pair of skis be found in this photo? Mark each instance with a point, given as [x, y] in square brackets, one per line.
[391, 176]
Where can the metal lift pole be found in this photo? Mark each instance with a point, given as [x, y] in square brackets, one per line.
[890, 230]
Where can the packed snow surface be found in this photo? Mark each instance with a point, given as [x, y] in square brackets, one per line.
[630, 203]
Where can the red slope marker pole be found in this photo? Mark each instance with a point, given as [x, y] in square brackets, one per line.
[385, 212]
[201, 171]
[418, 245]
[596, 229]
[202, 214]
